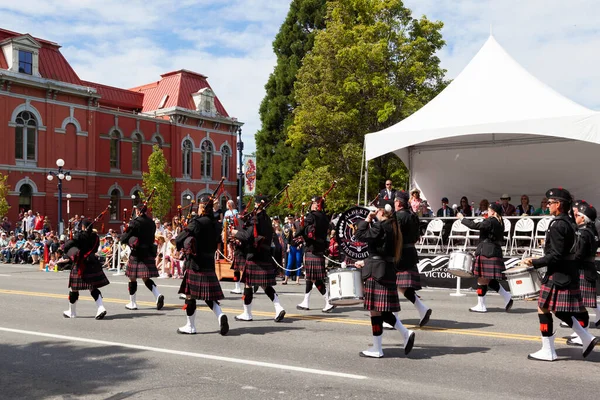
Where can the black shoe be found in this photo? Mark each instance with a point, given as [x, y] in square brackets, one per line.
[570, 342]
[101, 315]
[508, 306]
[409, 344]
[160, 302]
[302, 308]
[590, 347]
[425, 319]
[224, 325]
[280, 316]
[256, 288]
[598, 324]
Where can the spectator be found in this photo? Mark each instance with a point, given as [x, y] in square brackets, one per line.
[24, 251]
[176, 225]
[231, 211]
[218, 214]
[508, 210]
[464, 207]
[543, 210]
[4, 246]
[333, 250]
[6, 225]
[47, 226]
[415, 200]
[17, 248]
[388, 193]
[29, 222]
[38, 224]
[525, 208]
[445, 211]
[37, 251]
[425, 210]
[482, 211]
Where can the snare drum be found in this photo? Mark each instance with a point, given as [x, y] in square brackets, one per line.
[461, 264]
[345, 287]
[524, 282]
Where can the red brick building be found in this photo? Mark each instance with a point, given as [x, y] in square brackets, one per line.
[104, 134]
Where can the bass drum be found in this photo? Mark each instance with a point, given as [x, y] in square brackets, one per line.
[346, 229]
[345, 287]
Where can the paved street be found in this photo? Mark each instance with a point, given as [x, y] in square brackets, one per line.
[138, 355]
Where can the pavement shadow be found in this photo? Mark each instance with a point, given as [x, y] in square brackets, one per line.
[63, 370]
[428, 352]
[514, 310]
[240, 330]
[572, 353]
[130, 315]
[446, 324]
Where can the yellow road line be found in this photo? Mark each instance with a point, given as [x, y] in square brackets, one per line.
[468, 332]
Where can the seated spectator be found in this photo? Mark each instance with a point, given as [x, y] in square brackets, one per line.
[24, 251]
[543, 210]
[525, 208]
[464, 207]
[4, 246]
[445, 211]
[37, 251]
[6, 225]
[415, 200]
[482, 211]
[425, 210]
[19, 245]
[508, 210]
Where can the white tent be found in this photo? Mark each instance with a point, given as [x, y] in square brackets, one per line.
[496, 129]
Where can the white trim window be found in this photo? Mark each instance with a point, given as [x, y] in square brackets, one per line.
[114, 201]
[207, 153]
[26, 62]
[136, 152]
[187, 158]
[26, 137]
[225, 161]
[115, 139]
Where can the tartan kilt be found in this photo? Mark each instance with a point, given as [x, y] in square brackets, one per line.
[489, 267]
[93, 277]
[141, 268]
[314, 267]
[409, 279]
[558, 299]
[201, 285]
[381, 296]
[239, 261]
[259, 273]
[588, 291]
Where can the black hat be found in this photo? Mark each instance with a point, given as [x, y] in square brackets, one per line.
[290, 216]
[204, 199]
[276, 217]
[316, 199]
[402, 195]
[559, 194]
[260, 198]
[588, 210]
[86, 223]
[577, 203]
[496, 207]
[382, 203]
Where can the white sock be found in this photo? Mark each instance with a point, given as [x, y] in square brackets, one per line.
[217, 309]
[481, 301]
[597, 312]
[504, 294]
[237, 287]
[399, 326]
[155, 291]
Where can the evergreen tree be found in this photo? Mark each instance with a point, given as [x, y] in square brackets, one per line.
[4, 187]
[277, 161]
[159, 177]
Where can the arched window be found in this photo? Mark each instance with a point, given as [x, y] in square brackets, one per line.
[158, 141]
[115, 138]
[187, 158]
[26, 133]
[136, 152]
[114, 201]
[207, 152]
[225, 158]
[25, 197]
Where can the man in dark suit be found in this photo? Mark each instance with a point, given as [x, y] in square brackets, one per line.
[388, 193]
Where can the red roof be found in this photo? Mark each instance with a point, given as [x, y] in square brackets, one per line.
[179, 86]
[116, 97]
[3, 64]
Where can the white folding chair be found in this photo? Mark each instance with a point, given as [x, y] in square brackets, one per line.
[432, 232]
[458, 232]
[472, 235]
[540, 231]
[524, 230]
[507, 234]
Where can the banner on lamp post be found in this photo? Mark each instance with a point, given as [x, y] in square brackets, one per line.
[249, 175]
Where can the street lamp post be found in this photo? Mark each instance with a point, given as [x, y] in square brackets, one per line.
[68, 208]
[60, 174]
[240, 149]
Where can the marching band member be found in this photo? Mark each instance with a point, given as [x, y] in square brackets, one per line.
[86, 273]
[488, 266]
[314, 232]
[239, 256]
[408, 278]
[560, 292]
[199, 243]
[585, 254]
[139, 235]
[384, 239]
[259, 269]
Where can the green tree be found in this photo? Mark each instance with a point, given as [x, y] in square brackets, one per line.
[371, 67]
[4, 187]
[277, 161]
[159, 177]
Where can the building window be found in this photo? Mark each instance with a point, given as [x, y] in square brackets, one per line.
[207, 152]
[158, 141]
[114, 201]
[26, 62]
[115, 138]
[187, 158]
[25, 132]
[225, 159]
[137, 200]
[136, 152]
[25, 193]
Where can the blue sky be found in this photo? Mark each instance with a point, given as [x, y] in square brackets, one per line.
[127, 43]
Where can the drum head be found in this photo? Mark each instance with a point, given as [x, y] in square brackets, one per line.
[345, 230]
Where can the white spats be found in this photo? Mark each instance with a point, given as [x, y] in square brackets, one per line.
[101, 312]
[70, 313]
[547, 352]
[304, 304]
[508, 302]
[246, 315]
[217, 309]
[328, 306]
[132, 305]
[190, 327]
[587, 340]
[279, 311]
[480, 307]
[424, 312]
[237, 289]
[160, 299]
[407, 334]
[374, 351]
[597, 317]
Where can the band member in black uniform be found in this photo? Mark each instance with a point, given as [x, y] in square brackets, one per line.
[199, 242]
[239, 256]
[560, 292]
[384, 239]
[86, 272]
[139, 235]
[408, 278]
[314, 232]
[488, 265]
[585, 254]
[259, 269]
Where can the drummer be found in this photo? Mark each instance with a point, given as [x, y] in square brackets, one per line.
[384, 240]
[488, 266]
[585, 254]
[560, 287]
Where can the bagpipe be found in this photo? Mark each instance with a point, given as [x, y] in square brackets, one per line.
[74, 253]
[141, 209]
[208, 206]
[298, 238]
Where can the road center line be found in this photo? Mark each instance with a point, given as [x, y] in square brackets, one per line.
[188, 354]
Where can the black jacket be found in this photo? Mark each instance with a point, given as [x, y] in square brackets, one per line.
[199, 239]
[139, 235]
[383, 193]
[83, 247]
[258, 246]
[316, 225]
[379, 237]
[491, 236]
[585, 252]
[410, 228]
